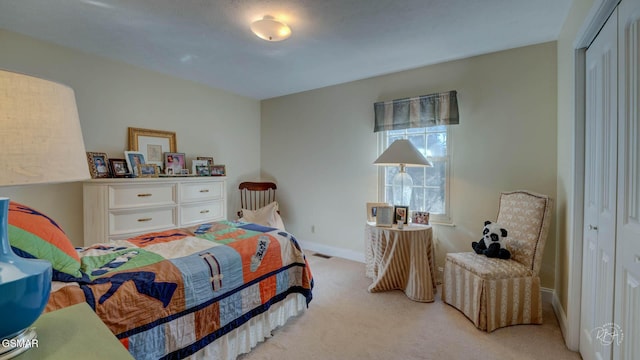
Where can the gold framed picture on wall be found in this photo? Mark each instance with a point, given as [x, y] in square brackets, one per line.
[152, 144]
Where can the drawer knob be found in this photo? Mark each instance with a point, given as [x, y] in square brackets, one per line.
[204, 190]
[144, 195]
[204, 211]
[145, 219]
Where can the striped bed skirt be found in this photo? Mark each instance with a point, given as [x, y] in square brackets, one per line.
[492, 293]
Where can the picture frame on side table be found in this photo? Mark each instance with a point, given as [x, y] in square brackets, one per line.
[134, 158]
[152, 143]
[148, 170]
[218, 170]
[174, 163]
[119, 168]
[400, 212]
[420, 217]
[372, 210]
[384, 216]
[98, 165]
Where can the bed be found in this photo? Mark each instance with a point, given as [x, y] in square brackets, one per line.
[211, 291]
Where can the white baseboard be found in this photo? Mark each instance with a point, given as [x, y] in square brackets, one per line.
[547, 294]
[333, 251]
[562, 318]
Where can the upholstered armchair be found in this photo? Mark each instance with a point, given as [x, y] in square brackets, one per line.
[495, 293]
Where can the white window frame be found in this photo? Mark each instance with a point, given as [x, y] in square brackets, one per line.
[446, 217]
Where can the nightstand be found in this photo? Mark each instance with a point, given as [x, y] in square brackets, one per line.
[401, 259]
[75, 332]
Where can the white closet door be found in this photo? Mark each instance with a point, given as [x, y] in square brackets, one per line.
[600, 191]
[627, 297]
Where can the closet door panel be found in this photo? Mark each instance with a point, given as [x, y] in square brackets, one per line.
[627, 294]
[600, 196]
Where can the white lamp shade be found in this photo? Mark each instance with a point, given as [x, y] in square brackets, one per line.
[40, 136]
[402, 151]
[270, 29]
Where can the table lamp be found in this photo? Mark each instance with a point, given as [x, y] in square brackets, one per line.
[403, 153]
[41, 143]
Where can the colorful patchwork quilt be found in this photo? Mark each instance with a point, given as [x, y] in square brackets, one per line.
[169, 294]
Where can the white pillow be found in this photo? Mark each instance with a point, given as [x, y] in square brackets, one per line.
[266, 216]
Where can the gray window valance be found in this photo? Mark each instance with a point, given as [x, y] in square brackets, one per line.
[421, 111]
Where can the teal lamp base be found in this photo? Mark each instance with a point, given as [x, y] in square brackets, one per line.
[25, 285]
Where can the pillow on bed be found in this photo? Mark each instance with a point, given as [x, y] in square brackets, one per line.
[32, 234]
[266, 216]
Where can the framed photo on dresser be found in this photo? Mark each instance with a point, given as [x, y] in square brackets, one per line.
[201, 167]
[218, 170]
[148, 170]
[152, 143]
[119, 167]
[174, 163]
[134, 158]
[208, 158]
[98, 165]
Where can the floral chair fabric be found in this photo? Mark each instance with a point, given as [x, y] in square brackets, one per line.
[492, 292]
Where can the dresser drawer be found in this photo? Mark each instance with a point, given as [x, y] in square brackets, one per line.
[121, 197]
[141, 221]
[202, 212]
[201, 191]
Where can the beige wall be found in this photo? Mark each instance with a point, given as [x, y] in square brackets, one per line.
[112, 96]
[319, 146]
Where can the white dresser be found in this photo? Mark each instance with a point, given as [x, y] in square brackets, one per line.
[116, 209]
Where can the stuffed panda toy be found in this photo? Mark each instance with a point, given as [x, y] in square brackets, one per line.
[492, 243]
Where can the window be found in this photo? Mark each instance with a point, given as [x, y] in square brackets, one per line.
[430, 184]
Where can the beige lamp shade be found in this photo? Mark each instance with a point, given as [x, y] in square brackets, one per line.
[40, 136]
[403, 152]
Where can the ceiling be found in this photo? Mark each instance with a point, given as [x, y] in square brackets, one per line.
[333, 41]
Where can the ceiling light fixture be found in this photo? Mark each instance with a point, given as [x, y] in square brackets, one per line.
[270, 29]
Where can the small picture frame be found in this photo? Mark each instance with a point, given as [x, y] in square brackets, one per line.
[148, 170]
[401, 214]
[420, 217]
[184, 172]
[200, 167]
[372, 210]
[98, 165]
[384, 216]
[208, 158]
[119, 168]
[174, 163]
[134, 158]
[218, 170]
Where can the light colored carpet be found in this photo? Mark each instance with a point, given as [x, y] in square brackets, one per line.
[344, 321]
